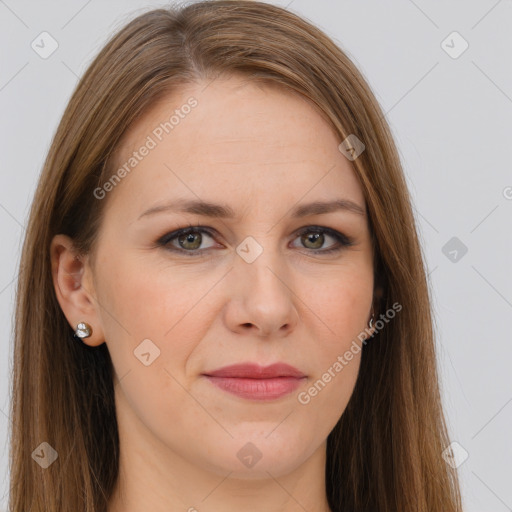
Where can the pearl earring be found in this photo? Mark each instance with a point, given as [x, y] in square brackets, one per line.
[83, 330]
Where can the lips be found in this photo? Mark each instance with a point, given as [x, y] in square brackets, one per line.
[255, 382]
[255, 371]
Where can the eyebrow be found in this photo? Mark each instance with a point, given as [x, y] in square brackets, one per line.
[214, 210]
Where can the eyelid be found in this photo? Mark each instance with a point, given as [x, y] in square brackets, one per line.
[167, 237]
[337, 235]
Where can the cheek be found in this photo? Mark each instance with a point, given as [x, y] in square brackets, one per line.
[335, 357]
[139, 302]
[147, 299]
[342, 302]
[341, 308]
[153, 319]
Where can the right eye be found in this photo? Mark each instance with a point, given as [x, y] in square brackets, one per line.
[188, 239]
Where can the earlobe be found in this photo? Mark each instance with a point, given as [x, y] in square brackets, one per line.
[73, 288]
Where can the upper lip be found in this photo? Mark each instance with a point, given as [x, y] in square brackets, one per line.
[256, 371]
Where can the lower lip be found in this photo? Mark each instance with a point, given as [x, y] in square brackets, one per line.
[257, 389]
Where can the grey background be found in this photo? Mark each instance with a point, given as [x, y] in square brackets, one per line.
[451, 119]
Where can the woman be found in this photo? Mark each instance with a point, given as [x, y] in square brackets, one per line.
[222, 301]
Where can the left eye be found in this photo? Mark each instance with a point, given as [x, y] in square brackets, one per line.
[315, 235]
[190, 239]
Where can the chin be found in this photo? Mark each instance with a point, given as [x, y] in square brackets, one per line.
[260, 454]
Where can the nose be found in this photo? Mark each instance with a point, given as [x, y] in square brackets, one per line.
[261, 298]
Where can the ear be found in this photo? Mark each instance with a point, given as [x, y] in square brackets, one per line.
[72, 279]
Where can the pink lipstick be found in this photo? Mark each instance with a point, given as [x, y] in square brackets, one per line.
[255, 382]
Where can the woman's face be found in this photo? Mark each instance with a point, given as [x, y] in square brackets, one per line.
[253, 284]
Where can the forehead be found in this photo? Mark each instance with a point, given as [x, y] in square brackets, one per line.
[236, 141]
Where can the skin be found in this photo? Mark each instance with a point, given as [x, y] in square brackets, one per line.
[261, 151]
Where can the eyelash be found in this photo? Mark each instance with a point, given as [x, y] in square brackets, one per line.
[343, 241]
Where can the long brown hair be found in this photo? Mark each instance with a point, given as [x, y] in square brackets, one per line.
[385, 453]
